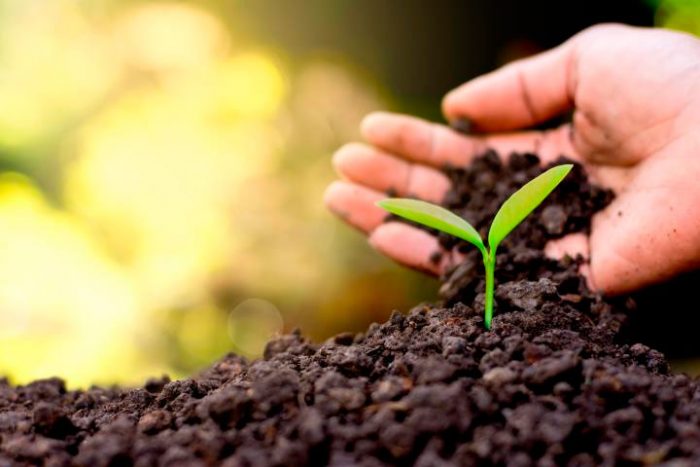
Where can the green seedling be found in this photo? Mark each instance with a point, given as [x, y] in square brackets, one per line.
[512, 212]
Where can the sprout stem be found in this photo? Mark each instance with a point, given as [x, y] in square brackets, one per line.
[490, 265]
[510, 214]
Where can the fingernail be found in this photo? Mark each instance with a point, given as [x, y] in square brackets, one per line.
[462, 125]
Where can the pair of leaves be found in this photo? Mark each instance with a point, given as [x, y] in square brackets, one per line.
[512, 212]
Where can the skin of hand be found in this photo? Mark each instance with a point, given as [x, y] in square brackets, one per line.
[635, 93]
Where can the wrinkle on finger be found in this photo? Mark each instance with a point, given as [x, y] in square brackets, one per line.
[519, 95]
[526, 97]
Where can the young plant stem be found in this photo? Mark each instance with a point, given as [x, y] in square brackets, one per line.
[509, 215]
[490, 266]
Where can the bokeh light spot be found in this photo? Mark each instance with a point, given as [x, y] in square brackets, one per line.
[169, 36]
[252, 323]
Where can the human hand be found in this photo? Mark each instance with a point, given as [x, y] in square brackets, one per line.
[636, 128]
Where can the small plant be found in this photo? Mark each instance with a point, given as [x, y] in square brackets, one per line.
[512, 212]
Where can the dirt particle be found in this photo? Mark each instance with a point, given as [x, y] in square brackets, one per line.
[499, 376]
[154, 422]
[155, 385]
[436, 257]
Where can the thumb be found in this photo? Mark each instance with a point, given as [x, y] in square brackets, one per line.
[519, 95]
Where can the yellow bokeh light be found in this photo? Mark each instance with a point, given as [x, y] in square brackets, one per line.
[54, 65]
[170, 36]
[249, 84]
[252, 323]
[183, 171]
[160, 173]
[61, 300]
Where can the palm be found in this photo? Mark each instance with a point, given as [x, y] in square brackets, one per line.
[632, 91]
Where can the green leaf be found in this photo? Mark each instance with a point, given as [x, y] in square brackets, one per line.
[433, 216]
[523, 202]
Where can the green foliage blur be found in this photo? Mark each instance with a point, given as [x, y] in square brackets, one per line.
[681, 15]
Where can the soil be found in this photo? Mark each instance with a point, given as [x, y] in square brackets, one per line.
[555, 382]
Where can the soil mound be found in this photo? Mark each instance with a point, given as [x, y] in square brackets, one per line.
[551, 384]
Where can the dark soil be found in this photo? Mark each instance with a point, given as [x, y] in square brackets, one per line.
[553, 383]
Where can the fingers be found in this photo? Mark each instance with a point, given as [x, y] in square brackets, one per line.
[381, 172]
[437, 145]
[409, 246]
[519, 95]
[418, 140]
[355, 204]
[370, 172]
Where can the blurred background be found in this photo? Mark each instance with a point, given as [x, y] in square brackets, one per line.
[162, 165]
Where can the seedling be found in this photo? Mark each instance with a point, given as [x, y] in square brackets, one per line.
[512, 212]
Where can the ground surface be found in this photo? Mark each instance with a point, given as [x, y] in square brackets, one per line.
[551, 384]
